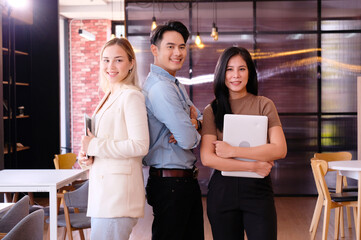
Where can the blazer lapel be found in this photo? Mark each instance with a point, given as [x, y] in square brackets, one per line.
[104, 104]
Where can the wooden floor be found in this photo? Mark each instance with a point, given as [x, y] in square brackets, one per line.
[293, 213]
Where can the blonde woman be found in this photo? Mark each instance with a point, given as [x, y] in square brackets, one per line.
[116, 144]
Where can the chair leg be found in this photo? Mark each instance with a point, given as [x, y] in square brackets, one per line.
[70, 234]
[338, 212]
[48, 233]
[315, 216]
[64, 234]
[16, 197]
[349, 224]
[81, 233]
[8, 197]
[326, 221]
[342, 222]
[31, 197]
[355, 216]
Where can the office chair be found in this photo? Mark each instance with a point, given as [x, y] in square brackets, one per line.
[14, 215]
[30, 227]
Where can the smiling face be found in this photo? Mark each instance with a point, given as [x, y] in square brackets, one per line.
[115, 64]
[170, 52]
[236, 77]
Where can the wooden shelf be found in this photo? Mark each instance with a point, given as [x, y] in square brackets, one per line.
[18, 83]
[16, 52]
[18, 149]
[25, 116]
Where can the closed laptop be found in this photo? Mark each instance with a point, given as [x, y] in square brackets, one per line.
[244, 131]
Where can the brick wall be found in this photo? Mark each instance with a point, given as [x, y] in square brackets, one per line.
[84, 70]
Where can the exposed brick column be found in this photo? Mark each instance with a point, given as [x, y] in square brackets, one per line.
[84, 70]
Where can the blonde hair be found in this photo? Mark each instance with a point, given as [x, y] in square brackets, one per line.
[131, 80]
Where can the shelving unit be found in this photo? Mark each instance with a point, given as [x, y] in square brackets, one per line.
[30, 77]
[17, 84]
[16, 52]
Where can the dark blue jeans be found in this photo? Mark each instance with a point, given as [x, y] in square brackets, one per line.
[235, 205]
[177, 208]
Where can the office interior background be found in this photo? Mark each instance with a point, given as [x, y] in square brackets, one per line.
[307, 53]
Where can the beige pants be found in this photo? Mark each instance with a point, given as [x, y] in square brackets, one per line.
[112, 228]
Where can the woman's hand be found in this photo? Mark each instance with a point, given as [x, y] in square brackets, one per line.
[223, 149]
[263, 168]
[85, 140]
[84, 160]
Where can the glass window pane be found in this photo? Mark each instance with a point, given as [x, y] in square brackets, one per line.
[287, 71]
[339, 133]
[341, 15]
[140, 15]
[141, 46]
[341, 58]
[286, 15]
[293, 175]
[229, 16]
[205, 60]
[286, 64]
[144, 57]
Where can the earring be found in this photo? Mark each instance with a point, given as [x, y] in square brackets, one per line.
[130, 70]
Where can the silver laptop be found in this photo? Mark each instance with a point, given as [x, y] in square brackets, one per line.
[244, 131]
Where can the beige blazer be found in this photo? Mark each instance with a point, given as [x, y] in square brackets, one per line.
[116, 185]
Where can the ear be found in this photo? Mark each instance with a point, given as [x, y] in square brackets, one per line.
[132, 64]
[154, 50]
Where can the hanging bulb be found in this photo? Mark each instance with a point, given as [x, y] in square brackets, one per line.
[112, 36]
[154, 23]
[198, 40]
[214, 33]
[214, 30]
[215, 37]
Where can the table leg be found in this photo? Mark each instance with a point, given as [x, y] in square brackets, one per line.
[53, 224]
[359, 208]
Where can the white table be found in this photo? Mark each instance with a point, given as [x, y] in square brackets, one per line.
[351, 169]
[4, 207]
[40, 181]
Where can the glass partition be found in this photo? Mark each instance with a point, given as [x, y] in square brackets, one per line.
[340, 68]
[307, 64]
[286, 15]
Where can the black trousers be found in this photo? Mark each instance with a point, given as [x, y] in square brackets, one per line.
[177, 208]
[235, 205]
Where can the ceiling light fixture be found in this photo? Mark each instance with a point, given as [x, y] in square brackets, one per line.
[86, 34]
[17, 3]
[154, 20]
[214, 33]
[113, 35]
[198, 40]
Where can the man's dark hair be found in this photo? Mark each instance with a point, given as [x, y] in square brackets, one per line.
[157, 34]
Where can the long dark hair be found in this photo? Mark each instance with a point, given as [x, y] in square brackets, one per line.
[220, 105]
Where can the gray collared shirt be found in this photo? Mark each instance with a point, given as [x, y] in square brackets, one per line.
[168, 113]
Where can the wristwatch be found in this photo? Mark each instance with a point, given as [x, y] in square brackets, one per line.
[199, 123]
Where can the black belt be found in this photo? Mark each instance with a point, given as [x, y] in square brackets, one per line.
[166, 172]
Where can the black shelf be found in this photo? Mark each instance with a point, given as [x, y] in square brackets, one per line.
[16, 56]
[30, 76]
